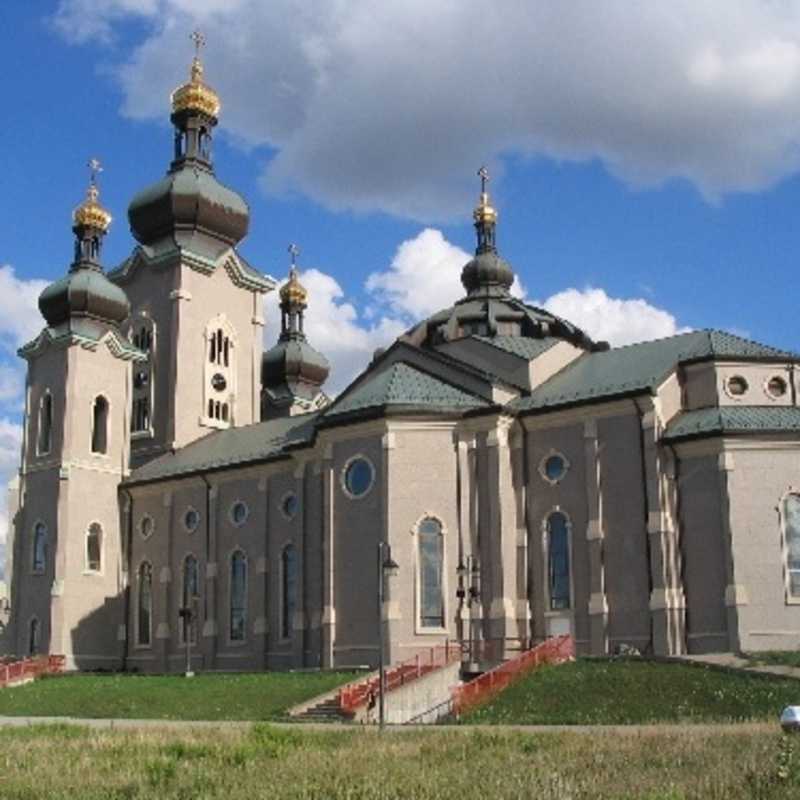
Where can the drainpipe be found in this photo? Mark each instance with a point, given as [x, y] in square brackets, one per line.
[127, 593]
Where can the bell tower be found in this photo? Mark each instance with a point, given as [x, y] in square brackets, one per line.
[68, 555]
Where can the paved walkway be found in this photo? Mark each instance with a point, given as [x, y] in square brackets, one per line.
[616, 730]
[734, 662]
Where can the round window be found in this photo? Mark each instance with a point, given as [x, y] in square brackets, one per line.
[191, 519]
[239, 512]
[146, 526]
[289, 505]
[555, 467]
[776, 386]
[218, 382]
[358, 477]
[737, 385]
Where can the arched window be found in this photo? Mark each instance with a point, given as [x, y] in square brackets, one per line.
[288, 583]
[94, 548]
[558, 561]
[39, 547]
[33, 636]
[191, 591]
[220, 373]
[100, 425]
[238, 620]
[142, 336]
[430, 542]
[790, 512]
[144, 606]
[45, 439]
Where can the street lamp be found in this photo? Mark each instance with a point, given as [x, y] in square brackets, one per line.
[187, 614]
[387, 568]
[469, 573]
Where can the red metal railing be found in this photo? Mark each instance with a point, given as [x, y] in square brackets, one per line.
[14, 671]
[483, 688]
[353, 696]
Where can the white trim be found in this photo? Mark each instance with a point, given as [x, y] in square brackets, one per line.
[775, 398]
[343, 476]
[419, 628]
[726, 382]
[790, 599]
[543, 469]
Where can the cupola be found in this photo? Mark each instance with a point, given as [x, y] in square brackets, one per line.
[85, 292]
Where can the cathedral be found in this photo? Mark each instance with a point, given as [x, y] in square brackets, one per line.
[495, 476]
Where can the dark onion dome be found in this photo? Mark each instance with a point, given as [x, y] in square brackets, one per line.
[489, 309]
[86, 292]
[190, 198]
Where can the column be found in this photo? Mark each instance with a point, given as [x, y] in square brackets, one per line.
[210, 626]
[328, 608]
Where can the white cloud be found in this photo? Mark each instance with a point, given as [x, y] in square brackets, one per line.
[20, 319]
[612, 319]
[391, 106]
[10, 444]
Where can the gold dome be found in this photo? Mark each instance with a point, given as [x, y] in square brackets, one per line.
[484, 212]
[293, 292]
[90, 214]
[196, 95]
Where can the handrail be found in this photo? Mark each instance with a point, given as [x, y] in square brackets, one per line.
[427, 660]
[491, 683]
[28, 668]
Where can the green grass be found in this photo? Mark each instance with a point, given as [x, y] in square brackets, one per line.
[774, 658]
[745, 762]
[256, 696]
[592, 692]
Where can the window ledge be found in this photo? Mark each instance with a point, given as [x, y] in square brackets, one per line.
[420, 631]
[219, 424]
[146, 434]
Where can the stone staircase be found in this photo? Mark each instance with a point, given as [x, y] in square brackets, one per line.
[327, 710]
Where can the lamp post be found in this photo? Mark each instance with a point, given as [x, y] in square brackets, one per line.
[387, 568]
[469, 573]
[187, 614]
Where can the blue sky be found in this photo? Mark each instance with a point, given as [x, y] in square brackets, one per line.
[646, 158]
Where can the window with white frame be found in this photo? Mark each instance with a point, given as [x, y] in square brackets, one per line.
[238, 597]
[39, 559]
[44, 439]
[430, 556]
[220, 373]
[144, 605]
[288, 585]
[791, 533]
[191, 591]
[142, 336]
[557, 545]
[94, 548]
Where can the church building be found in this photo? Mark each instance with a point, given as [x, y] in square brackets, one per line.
[180, 485]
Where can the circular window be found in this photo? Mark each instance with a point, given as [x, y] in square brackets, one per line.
[358, 476]
[191, 519]
[146, 526]
[736, 385]
[218, 382]
[239, 512]
[289, 505]
[553, 467]
[776, 386]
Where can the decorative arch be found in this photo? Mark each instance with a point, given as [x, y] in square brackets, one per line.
[789, 518]
[430, 574]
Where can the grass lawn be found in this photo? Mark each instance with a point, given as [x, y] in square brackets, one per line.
[735, 763]
[591, 692]
[775, 658]
[249, 696]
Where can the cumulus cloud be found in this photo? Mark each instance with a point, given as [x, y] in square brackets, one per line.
[390, 106]
[10, 444]
[20, 319]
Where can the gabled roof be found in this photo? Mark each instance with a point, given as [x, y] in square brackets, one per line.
[262, 441]
[641, 367]
[522, 346]
[734, 419]
[403, 387]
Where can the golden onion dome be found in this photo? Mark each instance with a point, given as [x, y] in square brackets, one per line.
[90, 214]
[483, 211]
[293, 292]
[196, 95]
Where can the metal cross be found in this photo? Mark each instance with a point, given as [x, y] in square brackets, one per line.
[199, 41]
[95, 168]
[483, 174]
[294, 251]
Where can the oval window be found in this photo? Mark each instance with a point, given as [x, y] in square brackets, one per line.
[555, 467]
[239, 513]
[737, 385]
[218, 382]
[358, 476]
[290, 505]
[191, 519]
[776, 386]
[146, 526]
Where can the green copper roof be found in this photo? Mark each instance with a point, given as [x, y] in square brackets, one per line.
[641, 367]
[232, 447]
[734, 419]
[404, 387]
[522, 346]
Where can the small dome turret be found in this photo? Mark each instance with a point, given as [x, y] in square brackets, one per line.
[196, 96]
[86, 292]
